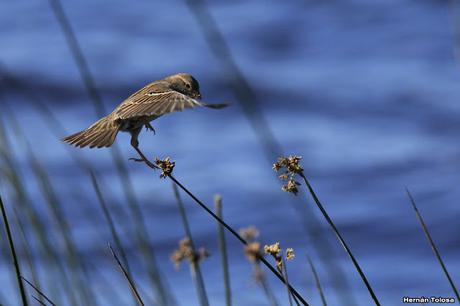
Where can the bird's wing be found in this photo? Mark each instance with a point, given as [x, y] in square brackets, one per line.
[154, 103]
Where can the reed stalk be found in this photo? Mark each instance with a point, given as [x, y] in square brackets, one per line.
[227, 227]
[27, 251]
[433, 245]
[14, 256]
[195, 270]
[42, 295]
[132, 286]
[340, 238]
[223, 251]
[317, 282]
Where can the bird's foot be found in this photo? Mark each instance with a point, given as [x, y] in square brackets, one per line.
[138, 160]
[149, 127]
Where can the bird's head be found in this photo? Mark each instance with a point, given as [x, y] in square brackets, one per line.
[185, 84]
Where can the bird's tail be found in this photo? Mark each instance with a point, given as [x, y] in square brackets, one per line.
[100, 134]
[215, 106]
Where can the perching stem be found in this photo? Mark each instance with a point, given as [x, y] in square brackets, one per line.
[228, 227]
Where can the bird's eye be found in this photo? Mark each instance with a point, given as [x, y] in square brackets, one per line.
[187, 85]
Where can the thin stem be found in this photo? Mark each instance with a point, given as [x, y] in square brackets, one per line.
[38, 300]
[28, 249]
[223, 251]
[318, 284]
[342, 241]
[284, 271]
[264, 284]
[109, 220]
[194, 265]
[38, 291]
[228, 227]
[433, 246]
[130, 282]
[13, 254]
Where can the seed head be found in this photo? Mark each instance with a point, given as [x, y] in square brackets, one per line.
[291, 186]
[252, 251]
[291, 167]
[290, 254]
[273, 249]
[276, 252]
[166, 165]
[249, 233]
[185, 251]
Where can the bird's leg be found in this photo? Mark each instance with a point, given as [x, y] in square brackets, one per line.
[135, 141]
[149, 127]
[143, 159]
[135, 145]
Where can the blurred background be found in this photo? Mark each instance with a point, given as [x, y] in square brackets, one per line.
[366, 91]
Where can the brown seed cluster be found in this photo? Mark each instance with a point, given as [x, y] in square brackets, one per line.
[290, 254]
[276, 252]
[249, 233]
[252, 249]
[185, 252]
[166, 165]
[291, 167]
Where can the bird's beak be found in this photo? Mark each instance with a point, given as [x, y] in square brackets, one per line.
[198, 96]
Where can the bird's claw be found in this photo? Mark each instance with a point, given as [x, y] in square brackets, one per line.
[149, 127]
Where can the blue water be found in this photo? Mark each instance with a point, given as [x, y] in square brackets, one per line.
[366, 91]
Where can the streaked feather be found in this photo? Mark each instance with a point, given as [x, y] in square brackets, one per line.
[100, 134]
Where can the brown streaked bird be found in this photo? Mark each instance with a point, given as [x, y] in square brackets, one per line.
[171, 94]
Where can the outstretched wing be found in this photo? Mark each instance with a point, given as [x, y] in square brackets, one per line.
[155, 103]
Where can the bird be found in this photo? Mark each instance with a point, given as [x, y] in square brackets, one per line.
[170, 94]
